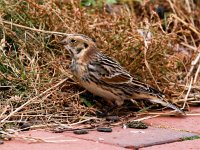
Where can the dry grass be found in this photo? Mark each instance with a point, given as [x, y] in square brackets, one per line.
[37, 87]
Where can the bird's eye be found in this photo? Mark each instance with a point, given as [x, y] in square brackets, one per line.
[73, 41]
[86, 45]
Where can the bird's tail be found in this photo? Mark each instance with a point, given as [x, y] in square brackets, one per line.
[167, 104]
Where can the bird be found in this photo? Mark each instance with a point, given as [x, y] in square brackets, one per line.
[105, 77]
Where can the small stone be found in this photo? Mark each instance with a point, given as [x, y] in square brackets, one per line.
[5, 137]
[1, 142]
[137, 125]
[104, 129]
[58, 130]
[80, 131]
[124, 126]
[25, 126]
[101, 139]
[112, 118]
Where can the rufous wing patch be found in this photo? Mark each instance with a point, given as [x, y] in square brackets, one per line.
[117, 78]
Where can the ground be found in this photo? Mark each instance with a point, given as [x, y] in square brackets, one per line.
[173, 133]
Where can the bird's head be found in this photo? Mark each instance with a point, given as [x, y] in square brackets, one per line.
[79, 46]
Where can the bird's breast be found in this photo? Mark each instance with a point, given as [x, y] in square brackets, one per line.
[78, 69]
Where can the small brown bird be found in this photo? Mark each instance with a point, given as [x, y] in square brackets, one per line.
[104, 76]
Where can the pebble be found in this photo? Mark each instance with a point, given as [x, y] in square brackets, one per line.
[81, 131]
[137, 125]
[1, 142]
[112, 118]
[104, 129]
[25, 126]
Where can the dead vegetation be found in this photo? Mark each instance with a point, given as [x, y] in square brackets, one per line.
[161, 49]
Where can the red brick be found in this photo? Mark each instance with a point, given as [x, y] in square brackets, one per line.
[55, 142]
[188, 123]
[134, 138]
[184, 145]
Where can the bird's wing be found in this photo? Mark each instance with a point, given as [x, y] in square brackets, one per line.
[109, 71]
[117, 78]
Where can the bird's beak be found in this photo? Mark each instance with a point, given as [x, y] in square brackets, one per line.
[62, 42]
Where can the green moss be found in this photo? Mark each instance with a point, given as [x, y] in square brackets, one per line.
[191, 138]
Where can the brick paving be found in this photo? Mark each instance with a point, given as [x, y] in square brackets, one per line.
[184, 145]
[163, 133]
[55, 141]
[189, 123]
[135, 138]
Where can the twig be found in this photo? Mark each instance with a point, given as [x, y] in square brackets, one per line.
[188, 99]
[148, 117]
[161, 114]
[186, 24]
[197, 73]
[32, 29]
[188, 92]
[88, 119]
[182, 85]
[30, 100]
[4, 111]
[189, 46]
[148, 67]
[194, 62]
[195, 101]
[172, 7]
[145, 52]
[193, 114]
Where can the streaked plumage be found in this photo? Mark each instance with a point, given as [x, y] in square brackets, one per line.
[104, 76]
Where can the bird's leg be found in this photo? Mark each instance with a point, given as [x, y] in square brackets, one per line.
[105, 113]
[134, 101]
